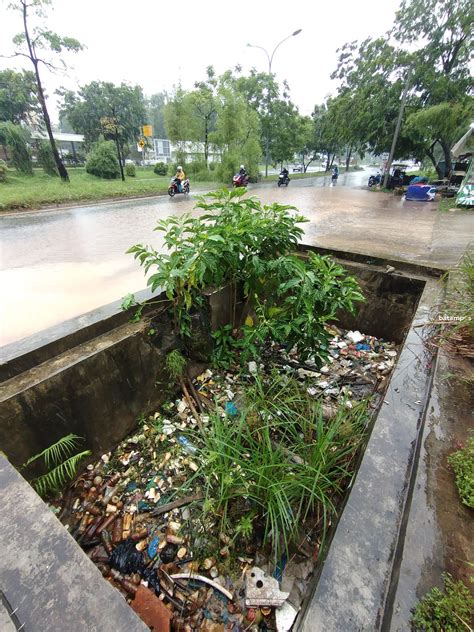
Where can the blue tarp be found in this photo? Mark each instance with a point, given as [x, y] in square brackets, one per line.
[420, 192]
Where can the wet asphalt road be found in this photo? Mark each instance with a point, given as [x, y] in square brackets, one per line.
[58, 264]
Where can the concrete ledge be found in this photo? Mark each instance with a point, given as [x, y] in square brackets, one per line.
[45, 576]
[354, 582]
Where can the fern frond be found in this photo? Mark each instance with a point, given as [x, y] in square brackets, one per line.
[59, 476]
[55, 453]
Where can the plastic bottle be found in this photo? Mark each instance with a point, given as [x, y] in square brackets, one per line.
[187, 445]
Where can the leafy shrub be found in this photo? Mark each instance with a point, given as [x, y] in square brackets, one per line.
[130, 170]
[462, 463]
[3, 171]
[102, 161]
[16, 140]
[241, 241]
[161, 169]
[450, 611]
[46, 158]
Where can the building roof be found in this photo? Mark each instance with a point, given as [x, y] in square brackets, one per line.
[60, 136]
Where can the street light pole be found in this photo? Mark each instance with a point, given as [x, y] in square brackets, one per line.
[270, 61]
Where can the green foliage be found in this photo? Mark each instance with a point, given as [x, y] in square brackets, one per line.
[448, 611]
[3, 171]
[223, 353]
[60, 462]
[46, 158]
[102, 161]
[175, 364]
[130, 170]
[161, 169]
[462, 463]
[278, 461]
[18, 100]
[16, 138]
[99, 102]
[240, 241]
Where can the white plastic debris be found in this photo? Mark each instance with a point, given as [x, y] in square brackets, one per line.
[253, 367]
[285, 616]
[355, 336]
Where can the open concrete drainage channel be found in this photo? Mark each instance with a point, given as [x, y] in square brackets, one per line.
[97, 380]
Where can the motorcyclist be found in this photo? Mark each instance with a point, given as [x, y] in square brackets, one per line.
[242, 171]
[179, 177]
[285, 173]
[335, 172]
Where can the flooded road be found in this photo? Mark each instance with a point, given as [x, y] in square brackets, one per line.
[58, 264]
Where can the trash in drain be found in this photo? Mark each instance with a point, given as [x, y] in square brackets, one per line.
[181, 513]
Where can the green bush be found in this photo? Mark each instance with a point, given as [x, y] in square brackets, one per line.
[3, 171]
[450, 611]
[130, 170]
[462, 463]
[46, 158]
[161, 169]
[16, 140]
[102, 161]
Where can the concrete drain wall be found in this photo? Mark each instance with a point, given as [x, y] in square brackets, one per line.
[95, 382]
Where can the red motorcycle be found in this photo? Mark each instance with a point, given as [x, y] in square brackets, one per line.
[174, 187]
[240, 180]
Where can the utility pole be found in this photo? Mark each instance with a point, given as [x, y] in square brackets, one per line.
[397, 128]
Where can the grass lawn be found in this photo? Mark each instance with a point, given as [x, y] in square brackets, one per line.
[33, 191]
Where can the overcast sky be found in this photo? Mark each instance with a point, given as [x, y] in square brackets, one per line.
[156, 44]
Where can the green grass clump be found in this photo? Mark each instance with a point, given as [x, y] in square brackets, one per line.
[279, 461]
[448, 611]
[462, 463]
[175, 363]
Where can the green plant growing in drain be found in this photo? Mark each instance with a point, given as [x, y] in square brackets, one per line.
[278, 462]
[60, 462]
[448, 611]
[248, 246]
[462, 463]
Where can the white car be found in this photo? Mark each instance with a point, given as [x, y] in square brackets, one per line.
[297, 168]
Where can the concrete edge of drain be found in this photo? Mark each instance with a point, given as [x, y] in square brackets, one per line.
[351, 590]
[43, 572]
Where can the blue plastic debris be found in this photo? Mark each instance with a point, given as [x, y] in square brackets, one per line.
[231, 409]
[363, 347]
[153, 547]
[186, 444]
[280, 567]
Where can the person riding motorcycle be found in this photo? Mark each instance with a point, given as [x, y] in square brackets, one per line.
[335, 172]
[180, 177]
[242, 171]
[284, 172]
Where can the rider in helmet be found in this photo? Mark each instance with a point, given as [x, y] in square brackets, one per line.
[242, 171]
[180, 176]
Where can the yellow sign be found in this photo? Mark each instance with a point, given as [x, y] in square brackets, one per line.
[148, 131]
[141, 143]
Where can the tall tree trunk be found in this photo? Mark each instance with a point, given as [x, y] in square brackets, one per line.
[430, 153]
[206, 145]
[328, 161]
[47, 121]
[447, 155]
[119, 154]
[348, 158]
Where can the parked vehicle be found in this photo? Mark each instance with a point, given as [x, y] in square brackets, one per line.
[375, 180]
[174, 187]
[283, 179]
[240, 180]
[297, 168]
[398, 176]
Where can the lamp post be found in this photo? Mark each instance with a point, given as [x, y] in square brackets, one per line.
[270, 61]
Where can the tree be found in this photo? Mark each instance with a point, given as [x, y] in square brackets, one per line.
[18, 98]
[16, 138]
[155, 106]
[32, 42]
[104, 109]
[203, 107]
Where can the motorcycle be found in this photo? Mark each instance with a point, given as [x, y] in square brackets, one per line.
[174, 187]
[375, 180]
[283, 179]
[334, 178]
[240, 180]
